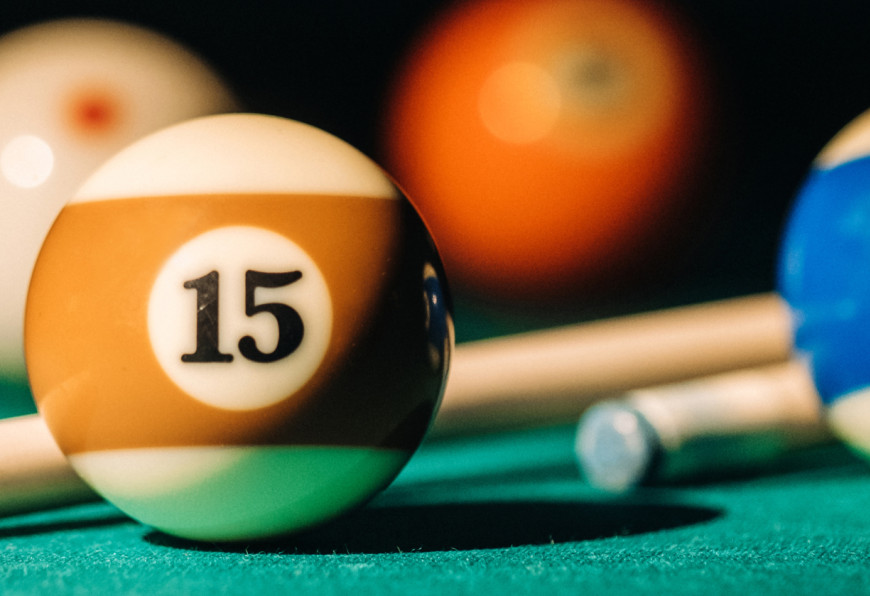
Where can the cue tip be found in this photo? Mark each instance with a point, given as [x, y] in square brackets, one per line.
[615, 447]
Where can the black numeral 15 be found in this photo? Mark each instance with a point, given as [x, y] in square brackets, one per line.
[290, 327]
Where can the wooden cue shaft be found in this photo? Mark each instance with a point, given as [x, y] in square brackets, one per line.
[34, 474]
[500, 383]
[553, 375]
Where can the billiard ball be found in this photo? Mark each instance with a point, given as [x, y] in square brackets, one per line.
[824, 274]
[238, 327]
[546, 142]
[72, 93]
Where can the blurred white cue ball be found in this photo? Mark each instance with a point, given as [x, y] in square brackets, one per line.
[72, 94]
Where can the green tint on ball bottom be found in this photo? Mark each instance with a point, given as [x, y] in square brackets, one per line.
[235, 493]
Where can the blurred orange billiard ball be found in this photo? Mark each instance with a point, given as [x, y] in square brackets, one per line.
[546, 142]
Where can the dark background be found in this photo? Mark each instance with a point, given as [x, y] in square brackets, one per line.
[790, 74]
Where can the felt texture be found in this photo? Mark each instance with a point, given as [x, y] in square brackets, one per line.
[499, 514]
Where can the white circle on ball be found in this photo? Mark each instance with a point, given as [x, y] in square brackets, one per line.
[240, 318]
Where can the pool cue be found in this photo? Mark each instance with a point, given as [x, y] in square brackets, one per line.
[501, 383]
[34, 474]
[553, 375]
[739, 420]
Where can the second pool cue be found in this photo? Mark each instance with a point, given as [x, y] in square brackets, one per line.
[730, 422]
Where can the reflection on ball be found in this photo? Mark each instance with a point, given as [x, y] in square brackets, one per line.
[545, 140]
[254, 337]
[72, 93]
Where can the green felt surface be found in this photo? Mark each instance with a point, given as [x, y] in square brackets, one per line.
[504, 514]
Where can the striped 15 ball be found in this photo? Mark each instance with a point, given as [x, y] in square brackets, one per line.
[237, 328]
